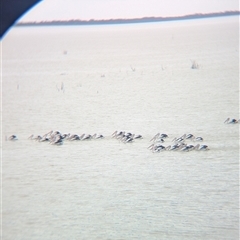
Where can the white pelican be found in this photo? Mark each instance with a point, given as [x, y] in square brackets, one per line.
[44, 139]
[189, 136]
[127, 139]
[157, 147]
[74, 137]
[180, 139]
[199, 147]
[37, 138]
[116, 134]
[31, 137]
[97, 136]
[85, 137]
[13, 138]
[56, 140]
[66, 135]
[199, 139]
[48, 134]
[138, 136]
[187, 148]
[176, 147]
[159, 136]
[163, 135]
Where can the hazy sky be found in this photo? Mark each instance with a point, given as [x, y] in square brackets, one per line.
[107, 9]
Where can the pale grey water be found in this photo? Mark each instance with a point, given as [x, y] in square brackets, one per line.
[104, 189]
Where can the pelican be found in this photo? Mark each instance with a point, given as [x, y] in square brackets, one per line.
[127, 139]
[31, 137]
[44, 139]
[163, 135]
[128, 134]
[187, 148]
[116, 134]
[189, 136]
[199, 139]
[85, 137]
[55, 133]
[157, 147]
[138, 136]
[66, 135]
[176, 147]
[155, 137]
[37, 138]
[159, 137]
[48, 134]
[74, 137]
[56, 140]
[13, 138]
[180, 139]
[231, 121]
[97, 136]
[159, 140]
[201, 147]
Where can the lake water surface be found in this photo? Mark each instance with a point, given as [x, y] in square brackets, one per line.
[135, 78]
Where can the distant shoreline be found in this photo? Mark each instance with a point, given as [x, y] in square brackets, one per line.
[127, 21]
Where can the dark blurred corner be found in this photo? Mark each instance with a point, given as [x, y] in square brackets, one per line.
[11, 10]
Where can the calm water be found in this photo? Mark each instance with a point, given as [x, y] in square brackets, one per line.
[135, 78]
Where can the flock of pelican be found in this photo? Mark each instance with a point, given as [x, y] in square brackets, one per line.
[178, 143]
[57, 138]
[126, 137]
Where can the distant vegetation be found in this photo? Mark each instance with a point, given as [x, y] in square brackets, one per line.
[125, 21]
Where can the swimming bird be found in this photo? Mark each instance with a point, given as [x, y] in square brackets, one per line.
[159, 140]
[56, 140]
[74, 137]
[48, 134]
[116, 134]
[159, 148]
[66, 135]
[187, 148]
[179, 139]
[37, 138]
[126, 139]
[175, 147]
[189, 136]
[156, 147]
[138, 136]
[44, 139]
[159, 137]
[97, 136]
[199, 139]
[31, 137]
[85, 137]
[13, 138]
[199, 147]
[55, 133]
[163, 135]
[128, 134]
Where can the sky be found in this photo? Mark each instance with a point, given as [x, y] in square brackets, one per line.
[48, 10]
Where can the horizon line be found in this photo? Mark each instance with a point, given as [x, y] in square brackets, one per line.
[194, 15]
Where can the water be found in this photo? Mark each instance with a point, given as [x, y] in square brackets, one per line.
[135, 78]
